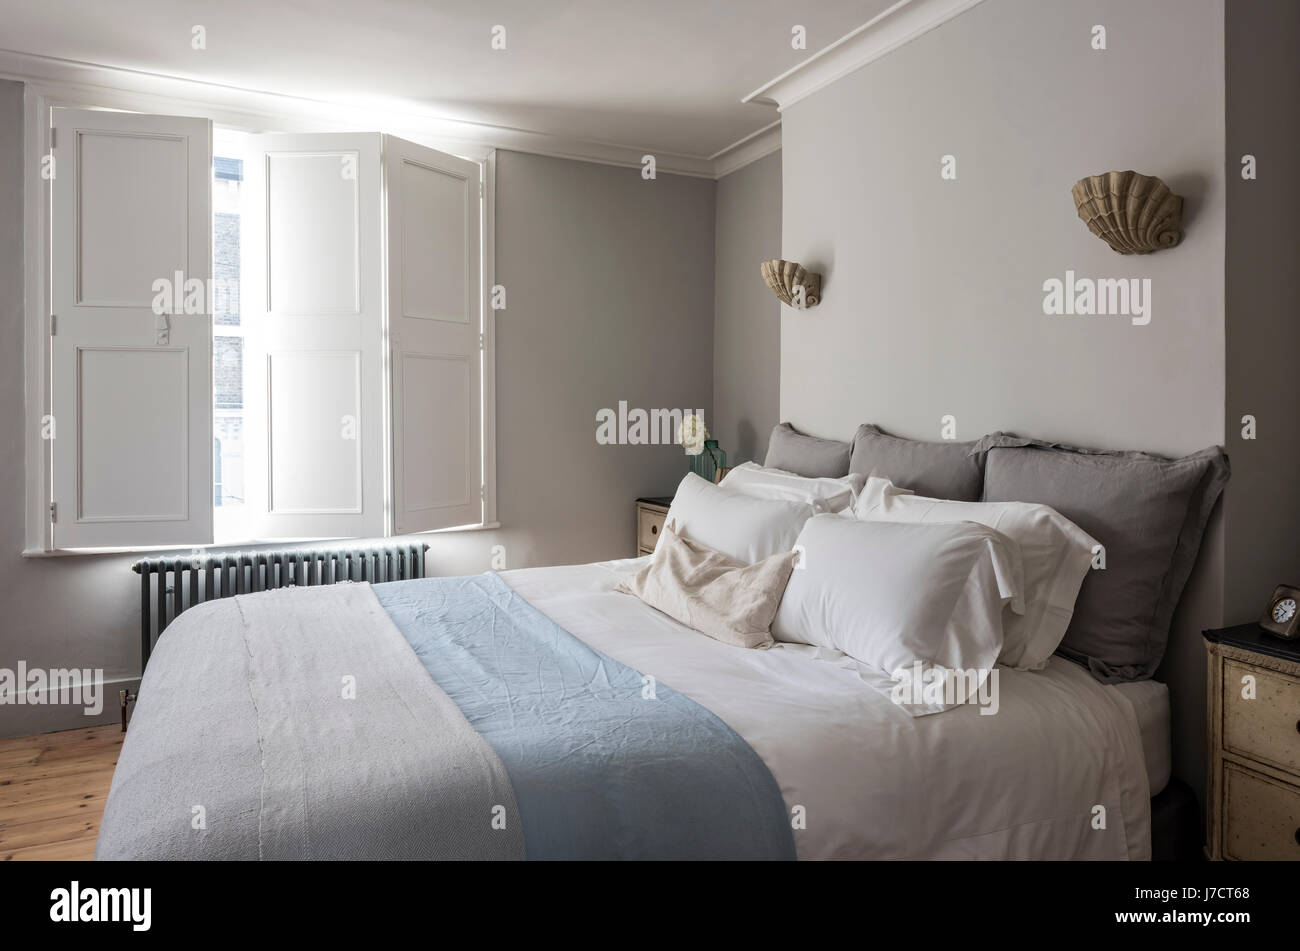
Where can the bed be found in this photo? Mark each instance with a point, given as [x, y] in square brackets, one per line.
[876, 783]
[734, 696]
[245, 743]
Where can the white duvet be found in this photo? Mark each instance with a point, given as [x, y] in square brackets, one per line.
[1056, 773]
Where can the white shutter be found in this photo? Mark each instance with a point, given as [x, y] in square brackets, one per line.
[312, 265]
[131, 393]
[435, 321]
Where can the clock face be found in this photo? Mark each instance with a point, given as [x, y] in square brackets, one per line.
[1284, 610]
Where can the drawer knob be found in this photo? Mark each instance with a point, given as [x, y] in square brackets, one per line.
[1297, 836]
[654, 530]
[1297, 726]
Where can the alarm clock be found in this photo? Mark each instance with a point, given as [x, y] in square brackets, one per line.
[1282, 617]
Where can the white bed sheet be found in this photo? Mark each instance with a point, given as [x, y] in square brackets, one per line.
[875, 783]
[1149, 700]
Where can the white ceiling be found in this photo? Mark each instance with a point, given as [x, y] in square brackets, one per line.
[666, 76]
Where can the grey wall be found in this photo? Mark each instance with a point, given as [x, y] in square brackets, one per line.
[746, 315]
[1263, 119]
[609, 283]
[610, 296]
[932, 295]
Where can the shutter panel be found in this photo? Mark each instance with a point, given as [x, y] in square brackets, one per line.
[131, 393]
[313, 271]
[435, 321]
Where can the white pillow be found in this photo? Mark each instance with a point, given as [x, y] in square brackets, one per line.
[823, 494]
[1056, 555]
[894, 596]
[740, 526]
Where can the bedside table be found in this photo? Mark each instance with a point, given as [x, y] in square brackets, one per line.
[1253, 786]
[650, 515]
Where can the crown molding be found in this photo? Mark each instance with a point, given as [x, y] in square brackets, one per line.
[73, 82]
[896, 26]
[749, 149]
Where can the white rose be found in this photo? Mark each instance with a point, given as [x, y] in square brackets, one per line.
[693, 434]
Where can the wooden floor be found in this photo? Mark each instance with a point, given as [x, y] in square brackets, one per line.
[52, 792]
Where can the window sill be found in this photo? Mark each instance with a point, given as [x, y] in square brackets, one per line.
[252, 543]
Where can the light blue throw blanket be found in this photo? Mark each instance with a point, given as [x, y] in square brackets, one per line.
[599, 769]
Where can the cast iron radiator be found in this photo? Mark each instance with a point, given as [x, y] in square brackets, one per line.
[169, 586]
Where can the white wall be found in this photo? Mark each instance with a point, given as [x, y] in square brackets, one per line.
[746, 315]
[932, 293]
[610, 296]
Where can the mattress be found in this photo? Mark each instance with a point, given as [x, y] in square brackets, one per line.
[1058, 772]
[1149, 703]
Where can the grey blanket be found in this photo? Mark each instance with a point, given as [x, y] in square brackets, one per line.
[317, 734]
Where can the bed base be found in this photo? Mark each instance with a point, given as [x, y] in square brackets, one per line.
[1176, 824]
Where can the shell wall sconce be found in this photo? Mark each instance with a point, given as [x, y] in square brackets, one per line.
[791, 283]
[1134, 214]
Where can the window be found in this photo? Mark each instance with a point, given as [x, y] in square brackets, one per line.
[262, 337]
[227, 338]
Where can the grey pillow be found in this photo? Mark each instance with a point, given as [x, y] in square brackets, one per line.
[808, 456]
[1149, 514]
[939, 470]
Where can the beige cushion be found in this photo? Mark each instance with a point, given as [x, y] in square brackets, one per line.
[711, 592]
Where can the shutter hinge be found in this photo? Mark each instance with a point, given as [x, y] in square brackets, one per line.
[480, 341]
[482, 490]
[54, 325]
[53, 136]
[480, 188]
[54, 511]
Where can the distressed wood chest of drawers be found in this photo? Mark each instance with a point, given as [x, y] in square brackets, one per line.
[1253, 783]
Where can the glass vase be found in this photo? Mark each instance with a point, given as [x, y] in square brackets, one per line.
[710, 462]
